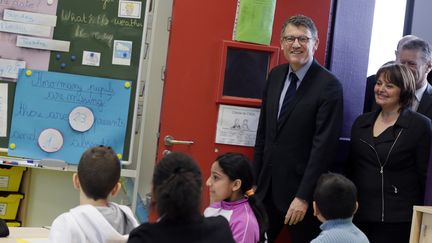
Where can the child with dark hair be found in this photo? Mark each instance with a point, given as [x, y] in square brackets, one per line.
[177, 190]
[335, 202]
[96, 219]
[231, 190]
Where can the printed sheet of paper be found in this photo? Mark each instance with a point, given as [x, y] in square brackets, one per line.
[44, 100]
[237, 125]
[9, 68]
[29, 17]
[25, 29]
[122, 52]
[254, 21]
[129, 9]
[44, 44]
[3, 109]
[91, 58]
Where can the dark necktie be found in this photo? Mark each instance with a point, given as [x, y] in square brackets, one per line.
[290, 93]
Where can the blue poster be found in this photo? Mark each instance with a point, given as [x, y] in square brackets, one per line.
[60, 115]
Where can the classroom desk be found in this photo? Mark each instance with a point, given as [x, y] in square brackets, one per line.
[24, 232]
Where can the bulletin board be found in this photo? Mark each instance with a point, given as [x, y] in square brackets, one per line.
[93, 44]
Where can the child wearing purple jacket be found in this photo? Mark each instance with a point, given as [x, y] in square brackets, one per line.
[230, 185]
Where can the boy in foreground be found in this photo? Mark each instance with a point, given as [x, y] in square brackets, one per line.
[95, 220]
[335, 203]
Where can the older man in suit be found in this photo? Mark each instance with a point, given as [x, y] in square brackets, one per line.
[369, 100]
[298, 131]
[416, 54]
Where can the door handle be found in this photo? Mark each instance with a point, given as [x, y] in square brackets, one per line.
[170, 141]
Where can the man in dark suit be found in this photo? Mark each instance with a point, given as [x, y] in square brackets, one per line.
[298, 131]
[416, 54]
[369, 100]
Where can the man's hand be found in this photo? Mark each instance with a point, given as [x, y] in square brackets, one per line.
[296, 211]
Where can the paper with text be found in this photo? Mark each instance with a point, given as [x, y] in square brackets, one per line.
[3, 109]
[29, 17]
[254, 21]
[9, 68]
[26, 29]
[237, 125]
[44, 44]
[45, 100]
[34, 59]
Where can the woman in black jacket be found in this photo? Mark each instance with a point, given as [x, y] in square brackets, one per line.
[389, 156]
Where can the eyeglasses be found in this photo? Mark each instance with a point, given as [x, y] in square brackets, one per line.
[289, 39]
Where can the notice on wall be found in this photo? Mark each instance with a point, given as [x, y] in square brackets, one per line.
[29, 17]
[26, 29]
[237, 125]
[43, 44]
[254, 21]
[48, 101]
[3, 109]
[129, 9]
[9, 68]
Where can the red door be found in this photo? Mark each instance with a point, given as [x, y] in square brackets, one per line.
[190, 100]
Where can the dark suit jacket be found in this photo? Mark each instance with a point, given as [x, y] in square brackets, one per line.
[401, 185]
[425, 106]
[369, 99]
[291, 155]
[206, 230]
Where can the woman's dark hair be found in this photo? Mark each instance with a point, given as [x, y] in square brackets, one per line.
[402, 77]
[177, 185]
[237, 166]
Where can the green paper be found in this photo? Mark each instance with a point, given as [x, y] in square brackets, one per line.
[254, 21]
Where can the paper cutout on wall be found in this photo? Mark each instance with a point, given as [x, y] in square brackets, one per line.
[9, 68]
[3, 109]
[129, 9]
[122, 52]
[254, 21]
[29, 17]
[45, 100]
[43, 44]
[26, 29]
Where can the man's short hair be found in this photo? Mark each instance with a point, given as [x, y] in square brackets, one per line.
[335, 196]
[419, 45]
[404, 40]
[301, 20]
[98, 172]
